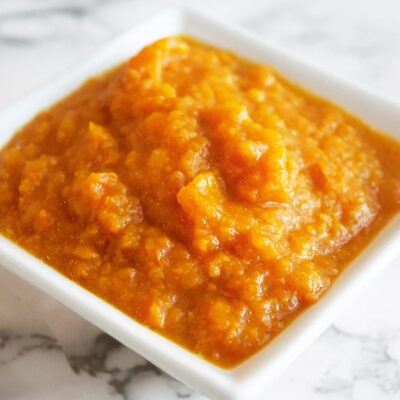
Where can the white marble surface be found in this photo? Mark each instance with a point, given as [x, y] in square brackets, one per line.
[358, 358]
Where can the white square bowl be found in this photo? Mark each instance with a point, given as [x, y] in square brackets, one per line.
[249, 379]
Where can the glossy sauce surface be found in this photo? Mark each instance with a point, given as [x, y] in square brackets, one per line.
[202, 194]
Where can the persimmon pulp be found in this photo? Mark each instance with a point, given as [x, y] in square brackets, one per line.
[202, 194]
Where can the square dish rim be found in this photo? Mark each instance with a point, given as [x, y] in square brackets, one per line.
[252, 376]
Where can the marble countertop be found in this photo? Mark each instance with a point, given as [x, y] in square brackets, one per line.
[358, 358]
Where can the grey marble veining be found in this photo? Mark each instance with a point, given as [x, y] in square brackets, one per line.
[358, 358]
[106, 359]
[124, 369]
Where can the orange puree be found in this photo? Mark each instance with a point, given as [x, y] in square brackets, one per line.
[202, 194]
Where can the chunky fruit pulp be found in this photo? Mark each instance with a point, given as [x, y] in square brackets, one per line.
[202, 194]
